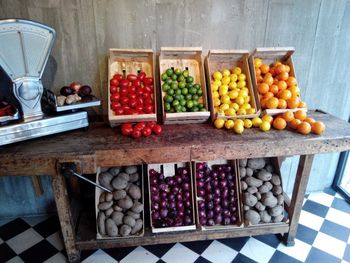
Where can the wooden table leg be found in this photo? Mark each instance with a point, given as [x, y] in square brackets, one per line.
[296, 203]
[65, 217]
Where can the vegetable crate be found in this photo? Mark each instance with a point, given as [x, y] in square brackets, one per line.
[203, 184]
[130, 61]
[99, 192]
[218, 60]
[261, 192]
[168, 171]
[269, 56]
[185, 59]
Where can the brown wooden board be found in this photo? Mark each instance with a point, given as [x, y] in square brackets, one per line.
[218, 60]
[184, 58]
[131, 61]
[269, 56]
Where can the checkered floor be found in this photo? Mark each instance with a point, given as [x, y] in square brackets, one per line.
[323, 236]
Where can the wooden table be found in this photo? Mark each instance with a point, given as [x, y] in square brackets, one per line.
[100, 146]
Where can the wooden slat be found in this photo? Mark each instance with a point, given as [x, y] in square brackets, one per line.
[38, 189]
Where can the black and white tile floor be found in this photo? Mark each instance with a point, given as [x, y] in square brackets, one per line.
[323, 236]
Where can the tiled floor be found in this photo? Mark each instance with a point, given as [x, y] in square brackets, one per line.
[323, 236]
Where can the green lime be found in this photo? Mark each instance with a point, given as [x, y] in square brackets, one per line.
[195, 103]
[175, 102]
[189, 104]
[203, 109]
[188, 97]
[194, 109]
[178, 108]
[170, 92]
[192, 90]
[174, 77]
[200, 105]
[177, 97]
[183, 109]
[184, 91]
[200, 92]
[195, 97]
[189, 85]
[167, 106]
[169, 81]
[180, 78]
[164, 76]
[189, 79]
[182, 84]
[165, 87]
[185, 73]
[178, 92]
[182, 97]
[178, 71]
[169, 72]
[171, 110]
[174, 85]
[182, 102]
[197, 86]
[168, 98]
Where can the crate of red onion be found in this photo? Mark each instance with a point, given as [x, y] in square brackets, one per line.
[171, 197]
[217, 194]
[262, 191]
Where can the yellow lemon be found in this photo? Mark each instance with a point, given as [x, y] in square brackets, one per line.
[239, 100]
[256, 122]
[232, 85]
[247, 99]
[241, 111]
[219, 123]
[265, 126]
[243, 93]
[246, 106]
[241, 84]
[217, 75]
[251, 111]
[237, 70]
[217, 82]
[215, 87]
[233, 94]
[242, 76]
[234, 106]
[239, 121]
[224, 107]
[247, 123]
[225, 80]
[229, 124]
[216, 94]
[267, 118]
[225, 72]
[225, 99]
[217, 102]
[233, 77]
[238, 128]
[230, 112]
[223, 90]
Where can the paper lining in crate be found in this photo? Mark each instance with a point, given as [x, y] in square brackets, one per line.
[189, 59]
[270, 56]
[131, 61]
[173, 180]
[262, 191]
[200, 172]
[135, 178]
[219, 60]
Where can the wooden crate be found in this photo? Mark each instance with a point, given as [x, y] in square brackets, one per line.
[99, 191]
[218, 60]
[269, 56]
[169, 170]
[126, 61]
[237, 195]
[192, 60]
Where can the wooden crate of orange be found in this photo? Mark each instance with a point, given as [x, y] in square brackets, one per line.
[272, 72]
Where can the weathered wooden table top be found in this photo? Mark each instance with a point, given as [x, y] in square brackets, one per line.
[101, 146]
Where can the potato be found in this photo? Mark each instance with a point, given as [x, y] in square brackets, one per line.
[268, 200]
[277, 190]
[257, 163]
[109, 197]
[252, 189]
[280, 199]
[269, 168]
[111, 228]
[119, 183]
[117, 208]
[242, 172]
[275, 180]
[101, 223]
[134, 177]
[134, 215]
[249, 171]
[244, 185]
[125, 230]
[102, 197]
[264, 175]
[109, 211]
[252, 216]
[117, 217]
[243, 162]
[105, 205]
[246, 208]
[129, 220]
[124, 176]
[263, 189]
[276, 211]
[277, 219]
[137, 227]
[251, 181]
[125, 203]
[134, 192]
[131, 169]
[105, 179]
[258, 195]
[269, 185]
[119, 194]
[265, 217]
[260, 207]
[114, 170]
[137, 207]
[249, 199]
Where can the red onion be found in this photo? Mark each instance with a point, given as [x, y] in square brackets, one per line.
[199, 166]
[152, 172]
[200, 184]
[233, 219]
[163, 186]
[180, 214]
[217, 209]
[155, 215]
[210, 213]
[163, 195]
[172, 205]
[224, 203]
[155, 198]
[75, 86]
[175, 190]
[178, 179]
[202, 221]
[154, 189]
[171, 196]
[210, 222]
[187, 220]
[222, 175]
[226, 213]
[201, 213]
[155, 206]
[163, 213]
[179, 205]
[187, 203]
[227, 221]
[201, 192]
[161, 177]
[153, 181]
[218, 219]
[201, 204]
[210, 205]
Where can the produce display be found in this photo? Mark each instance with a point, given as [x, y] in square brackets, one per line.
[181, 93]
[171, 199]
[216, 195]
[144, 129]
[120, 212]
[73, 93]
[230, 94]
[262, 191]
[6, 109]
[132, 94]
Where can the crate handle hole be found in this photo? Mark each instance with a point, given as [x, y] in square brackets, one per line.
[138, 71]
[186, 68]
[124, 73]
[172, 68]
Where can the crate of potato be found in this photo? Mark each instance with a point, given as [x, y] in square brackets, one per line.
[262, 191]
[230, 91]
[217, 195]
[273, 74]
[171, 197]
[131, 87]
[120, 214]
[183, 87]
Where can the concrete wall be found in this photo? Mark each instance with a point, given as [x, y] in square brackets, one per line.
[86, 29]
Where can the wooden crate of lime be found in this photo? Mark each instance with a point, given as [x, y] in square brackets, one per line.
[131, 87]
[230, 91]
[183, 87]
[273, 75]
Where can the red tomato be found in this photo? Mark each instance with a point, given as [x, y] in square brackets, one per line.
[149, 108]
[114, 82]
[115, 96]
[151, 125]
[136, 134]
[136, 83]
[139, 91]
[146, 131]
[157, 129]
[132, 96]
[146, 95]
[131, 77]
[133, 103]
[133, 112]
[140, 126]
[124, 100]
[148, 81]
[127, 129]
[139, 101]
[141, 75]
[148, 101]
[115, 105]
[113, 89]
[119, 111]
[132, 89]
[148, 89]
[139, 108]
[118, 77]
[124, 92]
[124, 83]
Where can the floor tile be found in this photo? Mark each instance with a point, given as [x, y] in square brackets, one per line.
[1, 241]
[119, 254]
[218, 252]
[339, 217]
[16, 259]
[86, 253]
[317, 255]
[279, 257]
[58, 258]
[197, 246]
[346, 255]
[56, 240]
[48, 227]
[159, 250]
[13, 228]
[39, 252]
[337, 195]
[315, 208]
[6, 253]
[257, 250]
[99, 256]
[180, 253]
[140, 253]
[34, 220]
[341, 204]
[306, 234]
[202, 260]
[321, 198]
[25, 240]
[310, 220]
[299, 251]
[335, 230]
[271, 240]
[240, 258]
[4, 221]
[235, 243]
[330, 245]
[330, 191]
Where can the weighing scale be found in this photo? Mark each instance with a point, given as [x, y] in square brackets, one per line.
[25, 47]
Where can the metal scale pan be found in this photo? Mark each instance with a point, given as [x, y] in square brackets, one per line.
[24, 50]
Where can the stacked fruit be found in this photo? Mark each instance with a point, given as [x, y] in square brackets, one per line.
[277, 88]
[144, 129]
[230, 93]
[181, 93]
[131, 95]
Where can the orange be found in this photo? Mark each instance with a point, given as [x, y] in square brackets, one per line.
[293, 103]
[257, 72]
[277, 63]
[279, 69]
[268, 79]
[286, 94]
[259, 79]
[295, 91]
[263, 88]
[302, 104]
[257, 62]
[272, 71]
[310, 120]
[282, 85]
[272, 103]
[283, 76]
[282, 104]
[279, 123]
[263, 103]
[318, 127]
[268, 95]
[273, 88]
[291, 81]
[304, 128]
[267, 118]
[264, 68]
[288, 116]
[294, 123]
[287, 68]
[300, 115]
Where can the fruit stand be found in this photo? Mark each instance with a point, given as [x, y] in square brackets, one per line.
[101, 147]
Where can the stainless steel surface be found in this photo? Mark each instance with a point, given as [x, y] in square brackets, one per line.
[47, 125]
[91, 182]
[8, 118]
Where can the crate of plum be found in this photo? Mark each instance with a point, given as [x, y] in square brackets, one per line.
[119, 213]
[217, 192]
[183, 87]
[131, 92]
[262, 191]
[230, 90]
[171, 197]
[274, 78]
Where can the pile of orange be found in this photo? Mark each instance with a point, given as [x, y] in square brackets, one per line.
[277, 89]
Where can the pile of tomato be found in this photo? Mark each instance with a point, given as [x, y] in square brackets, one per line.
[140, 129]
[132, 94]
